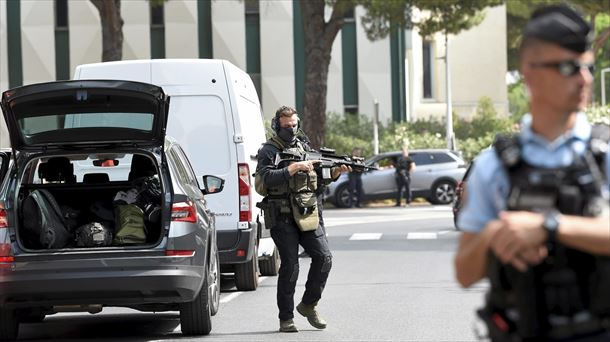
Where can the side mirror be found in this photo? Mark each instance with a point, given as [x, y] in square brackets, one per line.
[212, 184]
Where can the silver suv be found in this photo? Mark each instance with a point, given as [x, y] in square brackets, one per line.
[435, 178]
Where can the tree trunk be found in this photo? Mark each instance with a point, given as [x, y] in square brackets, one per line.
[319, 37]
[112, 29]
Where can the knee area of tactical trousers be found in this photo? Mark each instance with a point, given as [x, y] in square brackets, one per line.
[294, 275]
[327, 263]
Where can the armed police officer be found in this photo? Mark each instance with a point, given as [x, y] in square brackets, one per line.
[292, 213]
[535, 220]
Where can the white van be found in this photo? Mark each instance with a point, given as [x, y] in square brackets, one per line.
[216, 117]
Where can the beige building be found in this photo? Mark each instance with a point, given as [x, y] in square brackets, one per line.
[45, 40]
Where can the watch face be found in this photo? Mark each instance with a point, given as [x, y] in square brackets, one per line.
[550, 222]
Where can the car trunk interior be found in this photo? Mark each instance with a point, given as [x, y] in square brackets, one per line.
[102, 208]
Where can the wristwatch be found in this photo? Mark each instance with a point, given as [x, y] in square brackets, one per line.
[551, 224]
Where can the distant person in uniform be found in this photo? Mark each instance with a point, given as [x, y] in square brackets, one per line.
[404, 166]
[535, 221]
[355, 183]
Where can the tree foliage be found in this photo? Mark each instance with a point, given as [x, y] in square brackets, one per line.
[381, 16]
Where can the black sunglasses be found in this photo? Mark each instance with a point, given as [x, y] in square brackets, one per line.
[566, 68]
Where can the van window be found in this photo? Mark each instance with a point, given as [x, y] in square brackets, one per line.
[201, 126]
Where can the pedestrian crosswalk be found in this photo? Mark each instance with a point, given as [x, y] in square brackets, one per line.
[407, 236]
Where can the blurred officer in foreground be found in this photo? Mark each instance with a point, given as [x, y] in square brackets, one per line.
[536, 219]
[292, 212]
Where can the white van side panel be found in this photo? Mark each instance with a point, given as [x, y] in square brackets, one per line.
[249, 122]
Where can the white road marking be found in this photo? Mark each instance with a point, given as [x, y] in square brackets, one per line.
[365, 236]
[443, 232]
[226, 299]
[230, 297]
[421, 236]
[344, 221]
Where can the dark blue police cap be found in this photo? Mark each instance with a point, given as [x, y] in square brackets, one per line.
[561, 25]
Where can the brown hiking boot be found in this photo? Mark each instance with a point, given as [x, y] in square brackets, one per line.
[288, 326]
[310, 312]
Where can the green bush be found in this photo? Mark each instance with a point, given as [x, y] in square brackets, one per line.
[344, 132]
[598, 114]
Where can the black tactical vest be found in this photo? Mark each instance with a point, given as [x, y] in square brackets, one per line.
[568, 294]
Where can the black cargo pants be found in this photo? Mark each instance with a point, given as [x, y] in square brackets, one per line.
[287, 237]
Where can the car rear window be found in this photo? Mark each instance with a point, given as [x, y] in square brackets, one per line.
[83, 169]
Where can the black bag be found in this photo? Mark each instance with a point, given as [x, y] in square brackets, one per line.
[43, 221]
[94, 234]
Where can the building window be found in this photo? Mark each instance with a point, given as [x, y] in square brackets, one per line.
[157, 30]
[428, 62]
[62, 41]
[253, 43]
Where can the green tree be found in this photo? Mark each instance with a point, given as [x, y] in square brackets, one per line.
[381, 16]
[519, 11]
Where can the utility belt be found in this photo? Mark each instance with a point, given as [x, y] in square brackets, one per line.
[299, 208]
[584, 325]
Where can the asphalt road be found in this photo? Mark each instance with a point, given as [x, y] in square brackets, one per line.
[392, 280]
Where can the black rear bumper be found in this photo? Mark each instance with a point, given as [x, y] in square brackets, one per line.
[231, 241]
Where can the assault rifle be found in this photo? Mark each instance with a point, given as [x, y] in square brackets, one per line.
[328, 159]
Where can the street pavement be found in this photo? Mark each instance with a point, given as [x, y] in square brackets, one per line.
[392, 280]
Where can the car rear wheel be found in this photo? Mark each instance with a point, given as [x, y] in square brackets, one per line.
[342, 196]
[9, 325]
[443, 192]
[214, 276]
[271, 266]
[196, 316]
[246, 274]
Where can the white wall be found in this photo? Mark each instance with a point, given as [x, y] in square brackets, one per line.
[85, 33]
[277, 57]
[374, 79]
[229, 31]
[181, 34]
[334, 91]
[136, 30]
[478, 68]
[38, 41]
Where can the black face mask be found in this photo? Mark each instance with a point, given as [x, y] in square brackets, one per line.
[287, 134]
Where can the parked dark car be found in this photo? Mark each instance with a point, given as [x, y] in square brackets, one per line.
[174, 265]
[460, 193]
[437, 173]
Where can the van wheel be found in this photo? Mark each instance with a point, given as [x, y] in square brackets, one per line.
[246, 274]
[270, 266]
[196, 316]
[9, 325]
[214, 276]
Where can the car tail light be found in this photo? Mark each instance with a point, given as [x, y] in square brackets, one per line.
[245, 198]
[3, 218]
[5, 253]
[184, 212]
[176, 252]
